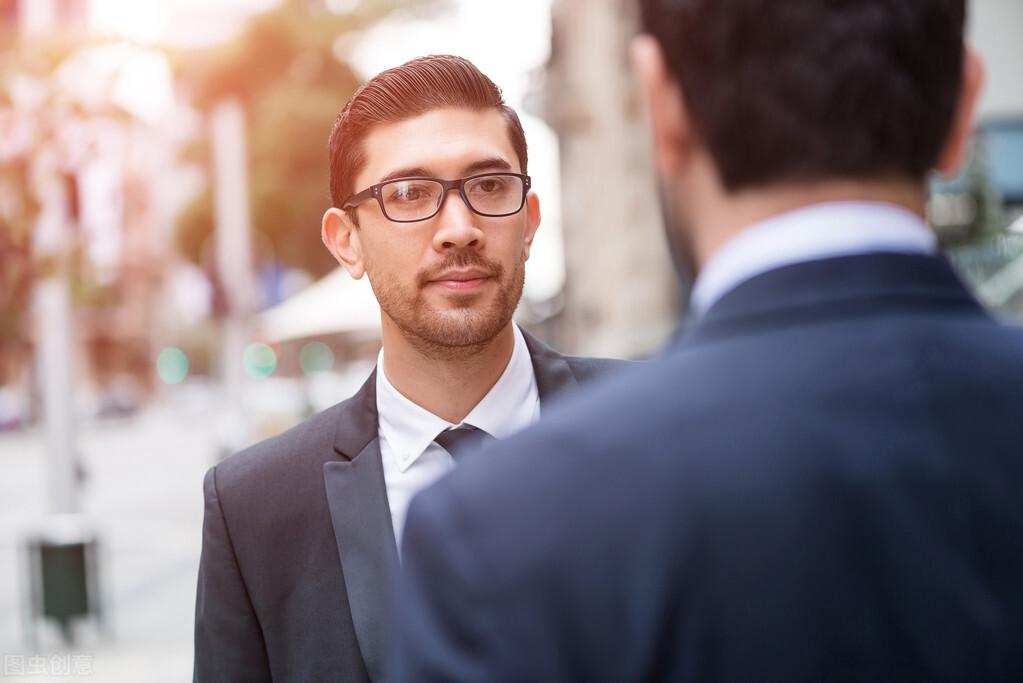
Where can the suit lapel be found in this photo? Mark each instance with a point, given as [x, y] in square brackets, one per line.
[552, 371]
[361, 517]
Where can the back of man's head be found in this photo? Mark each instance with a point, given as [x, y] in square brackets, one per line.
[792, 92]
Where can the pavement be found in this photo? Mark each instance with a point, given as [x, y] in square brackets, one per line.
[143, 497]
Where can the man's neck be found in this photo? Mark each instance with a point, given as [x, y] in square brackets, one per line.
[447, 387]
[725, 218]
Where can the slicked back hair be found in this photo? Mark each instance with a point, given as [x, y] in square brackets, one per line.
[414, 88]
[816, 89]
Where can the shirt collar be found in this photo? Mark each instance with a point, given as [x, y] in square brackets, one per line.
[510, 405]
[819, 231]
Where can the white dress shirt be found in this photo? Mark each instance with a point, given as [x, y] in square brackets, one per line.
[810, 233]
[412, 461]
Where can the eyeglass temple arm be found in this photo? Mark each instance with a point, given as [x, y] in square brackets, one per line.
[359, 198]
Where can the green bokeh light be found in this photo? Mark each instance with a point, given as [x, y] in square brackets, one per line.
[259, 360]
[315, 357]
[172, 365]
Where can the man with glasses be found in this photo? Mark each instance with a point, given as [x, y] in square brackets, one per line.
[432, 202]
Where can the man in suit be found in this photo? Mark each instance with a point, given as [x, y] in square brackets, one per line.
[431, 201]
[820, 479]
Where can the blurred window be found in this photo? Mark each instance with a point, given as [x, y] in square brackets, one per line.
[1003, 142]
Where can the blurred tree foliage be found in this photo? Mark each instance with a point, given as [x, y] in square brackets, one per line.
[32, 112]
[19, 204]
[284, 69]
[17, 269]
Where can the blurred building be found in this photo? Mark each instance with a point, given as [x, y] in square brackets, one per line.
[130, 256]
[996, 31]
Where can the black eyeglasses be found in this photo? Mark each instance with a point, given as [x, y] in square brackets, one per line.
[408, 200]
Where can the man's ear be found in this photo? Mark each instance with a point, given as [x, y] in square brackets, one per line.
[673, 139]
[953, 153]
[341, 237]
[532, 223]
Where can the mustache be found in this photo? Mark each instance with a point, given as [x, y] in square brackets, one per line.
[463, 259]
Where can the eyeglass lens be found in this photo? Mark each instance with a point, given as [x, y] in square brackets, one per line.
[492, 195]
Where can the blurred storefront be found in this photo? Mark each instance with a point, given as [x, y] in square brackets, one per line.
[979, 215]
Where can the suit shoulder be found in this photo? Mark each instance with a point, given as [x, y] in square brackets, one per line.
[307, 443]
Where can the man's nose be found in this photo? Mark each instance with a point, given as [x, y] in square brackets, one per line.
[456, 224]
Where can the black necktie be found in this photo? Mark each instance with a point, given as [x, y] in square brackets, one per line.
[459, 441]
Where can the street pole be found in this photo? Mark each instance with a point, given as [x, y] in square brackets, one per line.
[53, 355]
[234, 261]
[52, 307]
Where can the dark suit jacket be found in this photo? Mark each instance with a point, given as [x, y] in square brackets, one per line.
[298, 551]
[821, 481]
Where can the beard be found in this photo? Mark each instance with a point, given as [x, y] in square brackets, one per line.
[461, 329]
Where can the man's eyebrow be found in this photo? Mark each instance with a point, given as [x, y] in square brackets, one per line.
[405, 173]
[491, 164]
[483, 165]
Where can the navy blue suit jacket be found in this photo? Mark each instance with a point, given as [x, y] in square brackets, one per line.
[822, 480]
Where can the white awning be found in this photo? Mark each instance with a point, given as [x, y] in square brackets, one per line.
[336, 303]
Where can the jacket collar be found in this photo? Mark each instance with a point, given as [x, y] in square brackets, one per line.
[357, 420]
[833, 288]
[553, 373]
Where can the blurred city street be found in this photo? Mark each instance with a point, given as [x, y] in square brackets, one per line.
[143, 495]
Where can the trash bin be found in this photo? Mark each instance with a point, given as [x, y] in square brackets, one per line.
[63, 574]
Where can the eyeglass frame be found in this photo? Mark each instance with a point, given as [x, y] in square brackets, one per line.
[373, 192]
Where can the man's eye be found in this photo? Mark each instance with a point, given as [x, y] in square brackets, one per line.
[489, 185]
[408, 193]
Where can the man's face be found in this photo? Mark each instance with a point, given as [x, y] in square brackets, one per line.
[453, 280]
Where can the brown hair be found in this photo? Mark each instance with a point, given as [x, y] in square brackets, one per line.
[416, 87]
